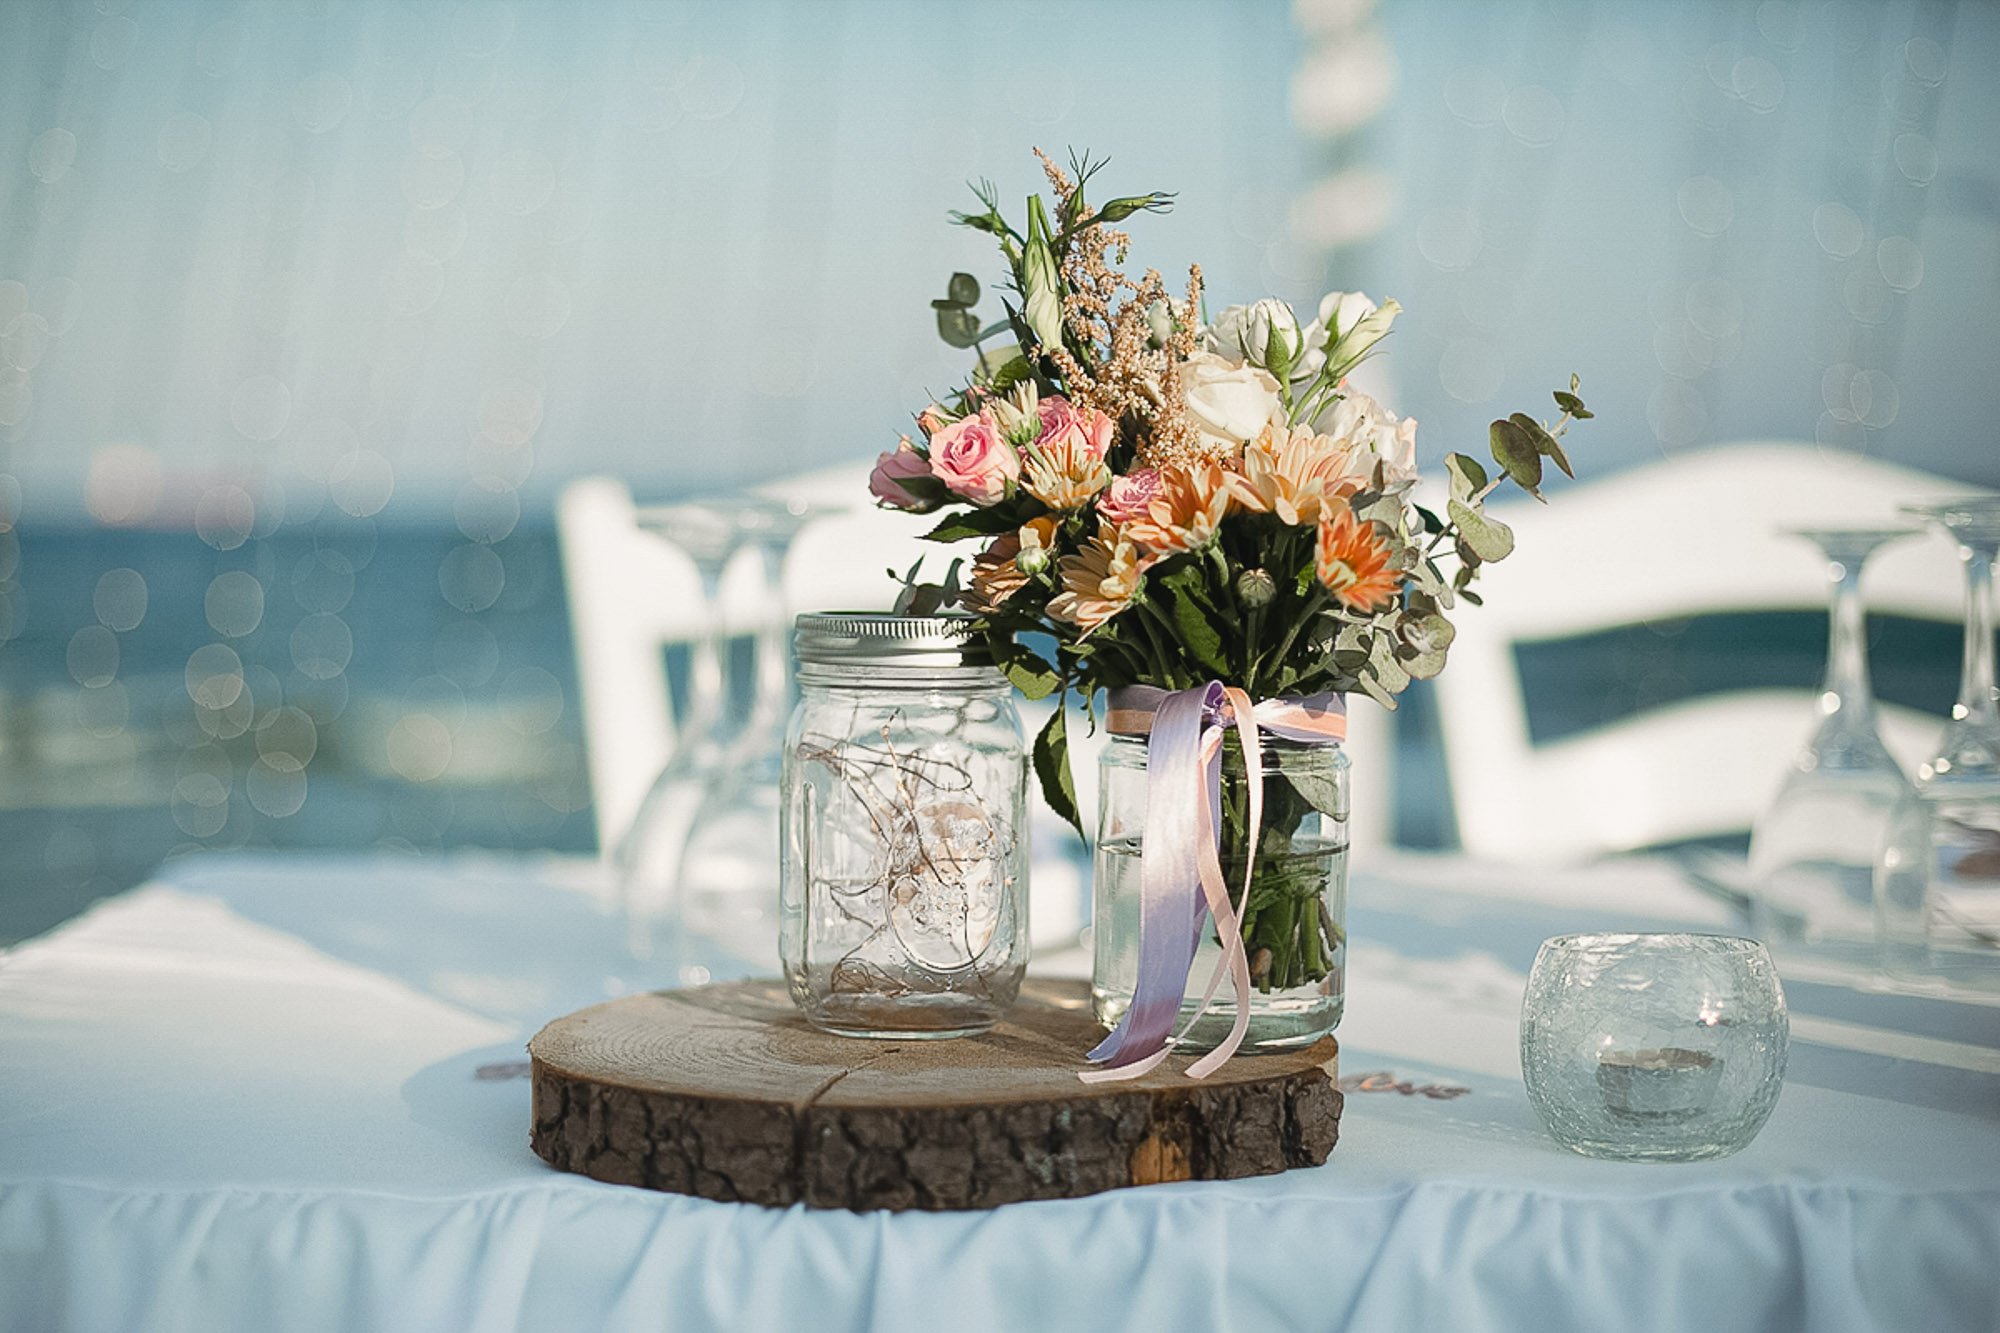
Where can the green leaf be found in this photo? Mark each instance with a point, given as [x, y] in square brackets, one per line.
[1432, 523]
[958, 326]
[1375, 690]
[1545, 444]
[1573, 405]
[926, 490]
[1011, 372]
[1051, 756]
[1195, 630]
[974, 523]
[1320, 791]
[1468, 476]
[1489, 538]
[1382, 661]
[1384, 509]
[1033, 677]
[963, 288]
[1514, 450]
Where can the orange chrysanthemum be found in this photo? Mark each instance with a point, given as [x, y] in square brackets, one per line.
[1353, 562]
[996, 571]
[1292, 473]
[1098, 581]
[1187, 511]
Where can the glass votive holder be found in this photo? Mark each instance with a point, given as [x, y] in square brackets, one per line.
[1653, 1048]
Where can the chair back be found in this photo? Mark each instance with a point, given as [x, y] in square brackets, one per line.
[1697, 534]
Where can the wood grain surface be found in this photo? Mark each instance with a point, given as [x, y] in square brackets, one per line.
[726, 1092]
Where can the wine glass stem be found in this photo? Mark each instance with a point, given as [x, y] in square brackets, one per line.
[1976, 693]
[706, 679]
[1847, 643]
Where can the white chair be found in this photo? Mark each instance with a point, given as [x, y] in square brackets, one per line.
[632, 595]
[1697, 533]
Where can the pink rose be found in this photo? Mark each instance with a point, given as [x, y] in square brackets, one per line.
[1087, 430]
[972, 460]
[1128, 497]
[892, 469]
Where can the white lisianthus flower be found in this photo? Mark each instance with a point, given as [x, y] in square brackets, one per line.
[1264, 333]
[1371, 432]
[1229, 402]
[1348, 325]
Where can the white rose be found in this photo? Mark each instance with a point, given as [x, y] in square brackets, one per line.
[1374, 433]
[1228, 402]
[1253, 332]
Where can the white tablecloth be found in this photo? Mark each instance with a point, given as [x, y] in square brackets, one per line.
[268, 1093]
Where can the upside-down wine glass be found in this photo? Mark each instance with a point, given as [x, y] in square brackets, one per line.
[648, 858]
[727, 875]
[1813, 851]
[1938, 884]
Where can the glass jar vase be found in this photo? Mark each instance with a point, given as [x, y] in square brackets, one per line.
[903, 903]
[1294, 919]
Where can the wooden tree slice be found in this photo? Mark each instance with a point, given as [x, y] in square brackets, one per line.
[727, 1093]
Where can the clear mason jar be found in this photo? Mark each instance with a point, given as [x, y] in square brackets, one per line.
[1295, 924]
[903, 905]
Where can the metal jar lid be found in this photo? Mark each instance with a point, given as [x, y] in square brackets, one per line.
[856, 637]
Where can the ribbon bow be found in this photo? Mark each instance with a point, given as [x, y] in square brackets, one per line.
[1180, 875]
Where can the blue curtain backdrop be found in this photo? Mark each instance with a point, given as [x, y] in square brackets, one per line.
[308, 307]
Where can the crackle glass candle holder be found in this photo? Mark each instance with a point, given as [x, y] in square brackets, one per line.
[1653, 1048]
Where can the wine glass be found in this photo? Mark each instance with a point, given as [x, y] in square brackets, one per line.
[648, 859]
[726, 879]
[1813, 851]
[1938, 883]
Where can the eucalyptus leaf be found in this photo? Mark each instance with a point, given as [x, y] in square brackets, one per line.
[1382, 661]
[1489, 538]
[963, 288]
[1573, 405]
[1514, 450]
[1545, 444]
[1373, 688]
[1320, 791]
[1425, 666]
[1383, 509]
[958, 326]
[1468, 476]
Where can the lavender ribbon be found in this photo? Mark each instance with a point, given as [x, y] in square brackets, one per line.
[1180, 874]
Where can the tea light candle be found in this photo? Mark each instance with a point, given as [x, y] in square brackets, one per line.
[1668, 1083]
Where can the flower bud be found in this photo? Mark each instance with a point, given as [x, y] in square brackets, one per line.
[1255, 587]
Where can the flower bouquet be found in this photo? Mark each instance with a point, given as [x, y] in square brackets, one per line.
[1198, 516]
